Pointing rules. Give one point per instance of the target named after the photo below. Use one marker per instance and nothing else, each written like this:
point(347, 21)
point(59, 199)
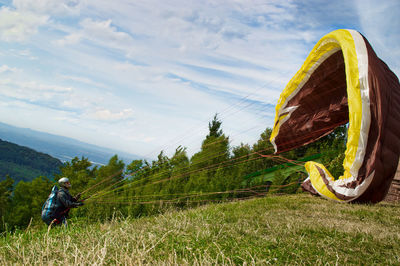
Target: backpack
point(50, 206)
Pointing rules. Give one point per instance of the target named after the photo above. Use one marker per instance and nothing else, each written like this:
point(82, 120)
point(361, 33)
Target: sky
point(145, 76)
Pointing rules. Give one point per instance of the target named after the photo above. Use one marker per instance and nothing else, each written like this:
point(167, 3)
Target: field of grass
point(291, 229)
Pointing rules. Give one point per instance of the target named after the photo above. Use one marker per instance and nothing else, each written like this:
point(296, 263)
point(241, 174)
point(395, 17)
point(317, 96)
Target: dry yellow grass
point(295, 229)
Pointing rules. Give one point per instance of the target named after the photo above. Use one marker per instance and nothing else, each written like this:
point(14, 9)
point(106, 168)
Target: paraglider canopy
point(343, 81)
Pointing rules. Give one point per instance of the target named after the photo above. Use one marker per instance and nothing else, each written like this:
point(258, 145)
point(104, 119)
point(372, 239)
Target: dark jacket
point(65, 202)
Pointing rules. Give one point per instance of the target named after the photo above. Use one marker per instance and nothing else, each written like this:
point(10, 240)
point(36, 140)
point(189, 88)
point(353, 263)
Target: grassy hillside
point(294, 229)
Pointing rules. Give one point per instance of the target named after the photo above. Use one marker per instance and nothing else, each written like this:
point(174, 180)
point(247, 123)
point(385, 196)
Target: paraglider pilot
point(66, 201)
point(63, 202)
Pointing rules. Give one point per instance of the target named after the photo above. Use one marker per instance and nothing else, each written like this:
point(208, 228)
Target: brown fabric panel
point(383, 149)
point(306, 186)
point(322, 105)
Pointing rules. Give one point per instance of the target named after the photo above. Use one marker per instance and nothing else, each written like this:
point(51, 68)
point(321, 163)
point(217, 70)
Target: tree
point(28, 200)
point(179, 176)
point(215, 127)
point(79, 172)
point(262, 146)
point(106, 186)
point(214, 153)
point(111, 173)
point(241, 155)
point(6, 188)
point(133, 169)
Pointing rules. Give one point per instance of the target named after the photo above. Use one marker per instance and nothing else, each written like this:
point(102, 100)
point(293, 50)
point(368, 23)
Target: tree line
point(215, 173)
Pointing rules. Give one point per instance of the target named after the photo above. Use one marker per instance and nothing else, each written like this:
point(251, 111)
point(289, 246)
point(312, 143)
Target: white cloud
point(32, 91)
point(71, 39)
point(49, 7)
point(108, 115)
point(160, 51)
point(84, 80)
point(18, 26)
point(20, 53)
point(5, 69)
point(101, 33)
point(174, 63)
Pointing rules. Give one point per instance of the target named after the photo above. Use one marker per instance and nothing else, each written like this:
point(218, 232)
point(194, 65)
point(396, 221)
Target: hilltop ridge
point(23, 163)
point(60, 147)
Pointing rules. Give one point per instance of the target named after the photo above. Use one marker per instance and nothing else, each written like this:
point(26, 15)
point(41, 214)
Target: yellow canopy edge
point(330, 43)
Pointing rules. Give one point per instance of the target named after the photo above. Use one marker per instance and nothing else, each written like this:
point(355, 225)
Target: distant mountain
point(22, 163)
point(60, 147)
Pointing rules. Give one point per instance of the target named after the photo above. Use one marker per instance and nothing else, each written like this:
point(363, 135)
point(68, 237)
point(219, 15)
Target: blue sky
point(146, 76)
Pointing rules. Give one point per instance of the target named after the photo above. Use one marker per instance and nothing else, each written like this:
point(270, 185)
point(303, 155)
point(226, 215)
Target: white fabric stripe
point(274, 145)
point(357, 191)
point(349, 192)
point(289, 110)
point(362, 58)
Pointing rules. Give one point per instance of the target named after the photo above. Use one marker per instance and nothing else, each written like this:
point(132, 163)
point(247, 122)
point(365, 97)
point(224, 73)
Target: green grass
point(293, 229)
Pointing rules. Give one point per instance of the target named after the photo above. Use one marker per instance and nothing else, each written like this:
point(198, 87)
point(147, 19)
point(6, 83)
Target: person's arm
point(77, 197)
point(63, 198)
